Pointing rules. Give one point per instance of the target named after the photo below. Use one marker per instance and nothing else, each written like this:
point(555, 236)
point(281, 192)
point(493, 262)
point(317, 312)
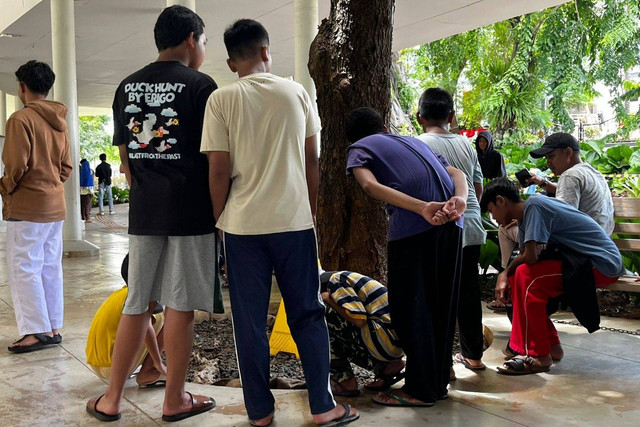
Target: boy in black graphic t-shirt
point(158, 113)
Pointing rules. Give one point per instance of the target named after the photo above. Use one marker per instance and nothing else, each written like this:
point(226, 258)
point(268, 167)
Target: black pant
point(470, 306)
point(424, 276)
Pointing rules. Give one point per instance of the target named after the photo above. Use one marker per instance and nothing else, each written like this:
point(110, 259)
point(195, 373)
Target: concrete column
point(17, 104)
point(3, 112)
point(191, 4)
point(305, 16)
point(3, 122)
point(64, 66)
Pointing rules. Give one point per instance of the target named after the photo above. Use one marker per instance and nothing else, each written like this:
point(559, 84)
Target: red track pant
point(532, 332)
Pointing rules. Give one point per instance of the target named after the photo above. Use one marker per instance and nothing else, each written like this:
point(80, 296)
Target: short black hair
point(435, 104)
point(499, 187)
point(244, 39)
point(103, 157)
point(37, 76)
point(362, 122)
point(174, 25)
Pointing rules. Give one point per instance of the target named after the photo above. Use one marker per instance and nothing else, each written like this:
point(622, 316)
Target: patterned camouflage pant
point(347, 347)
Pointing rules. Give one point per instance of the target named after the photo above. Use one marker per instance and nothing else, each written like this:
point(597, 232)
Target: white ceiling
point(115, 37)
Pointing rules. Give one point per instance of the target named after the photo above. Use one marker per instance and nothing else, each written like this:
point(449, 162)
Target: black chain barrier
point(602, 328)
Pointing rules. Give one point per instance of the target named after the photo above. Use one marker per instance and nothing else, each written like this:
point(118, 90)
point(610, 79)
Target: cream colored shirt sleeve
point(311, 118)
point(215, 133)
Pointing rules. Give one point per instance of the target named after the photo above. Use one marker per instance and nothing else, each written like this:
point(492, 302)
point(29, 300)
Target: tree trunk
point(350, 62)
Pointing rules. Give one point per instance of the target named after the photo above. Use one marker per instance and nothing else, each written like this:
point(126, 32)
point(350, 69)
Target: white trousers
point(34, 258)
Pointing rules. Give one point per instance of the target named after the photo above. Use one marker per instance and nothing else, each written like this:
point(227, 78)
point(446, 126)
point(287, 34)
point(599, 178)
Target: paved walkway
point(597, 384)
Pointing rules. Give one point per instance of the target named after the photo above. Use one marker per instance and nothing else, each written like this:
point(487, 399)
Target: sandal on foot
point(92, 409)
point(338, 390)
point(43, 341)
point(509, 353)
point(161, 381)
point(461, 359)
point(400, 401)
point(521, 366)
point(387, 381)
point(347, 418)
point(196, 408)
point(497, 306)
point(254, 423)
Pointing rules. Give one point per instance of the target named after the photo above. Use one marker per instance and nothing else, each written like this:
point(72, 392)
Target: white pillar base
point(79, 248)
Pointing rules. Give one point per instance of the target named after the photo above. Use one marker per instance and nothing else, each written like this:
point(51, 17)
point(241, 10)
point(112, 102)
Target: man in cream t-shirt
point(260, 137)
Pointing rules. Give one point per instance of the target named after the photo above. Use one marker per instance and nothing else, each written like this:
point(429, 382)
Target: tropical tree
point(95, 138)
point(528, 71)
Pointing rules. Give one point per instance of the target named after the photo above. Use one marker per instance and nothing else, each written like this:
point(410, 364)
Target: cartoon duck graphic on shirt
point(150, 134)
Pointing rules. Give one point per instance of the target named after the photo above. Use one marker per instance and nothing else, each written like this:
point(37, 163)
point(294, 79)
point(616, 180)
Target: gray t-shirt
point(461, 155)
point(585, 189)
point(550, 220)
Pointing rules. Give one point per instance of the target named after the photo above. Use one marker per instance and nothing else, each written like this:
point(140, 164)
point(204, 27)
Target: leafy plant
point(528, 71)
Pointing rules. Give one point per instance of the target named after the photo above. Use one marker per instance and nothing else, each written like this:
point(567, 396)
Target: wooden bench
point(625, 209)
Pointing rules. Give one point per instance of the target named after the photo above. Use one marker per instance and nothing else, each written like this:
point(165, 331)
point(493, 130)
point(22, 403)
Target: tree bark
point(350, 62)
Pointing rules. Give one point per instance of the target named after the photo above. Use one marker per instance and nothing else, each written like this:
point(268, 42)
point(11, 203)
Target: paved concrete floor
point(597, 384)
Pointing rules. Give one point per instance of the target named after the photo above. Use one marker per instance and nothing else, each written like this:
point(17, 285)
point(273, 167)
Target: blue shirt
point(408, 165)
point(551, 220)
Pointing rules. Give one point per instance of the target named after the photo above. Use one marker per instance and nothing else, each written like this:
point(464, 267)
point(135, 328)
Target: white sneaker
point(100, 213)
point(112, 212)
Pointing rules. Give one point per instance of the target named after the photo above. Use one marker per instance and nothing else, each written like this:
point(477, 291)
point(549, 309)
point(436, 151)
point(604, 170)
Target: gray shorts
point(177, 271)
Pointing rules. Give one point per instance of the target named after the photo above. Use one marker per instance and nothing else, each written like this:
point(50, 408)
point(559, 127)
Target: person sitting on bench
point(589, 257)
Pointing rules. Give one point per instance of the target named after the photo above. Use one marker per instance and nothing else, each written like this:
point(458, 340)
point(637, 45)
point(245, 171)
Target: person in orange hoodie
point(37, 163)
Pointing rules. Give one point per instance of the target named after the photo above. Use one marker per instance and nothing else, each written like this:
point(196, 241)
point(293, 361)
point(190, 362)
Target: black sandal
point(521, 366)
point(387, 381)
point(43, 341)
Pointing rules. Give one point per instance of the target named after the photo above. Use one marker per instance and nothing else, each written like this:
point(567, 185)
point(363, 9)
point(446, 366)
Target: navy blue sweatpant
point(250, 261)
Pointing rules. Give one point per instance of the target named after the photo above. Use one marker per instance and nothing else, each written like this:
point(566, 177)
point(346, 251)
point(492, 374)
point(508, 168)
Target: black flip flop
point(461, 359)
point(498, 308)
point(99, 414)
point(253, 423)
point(43, 341)
point(521, 366)
point(388, 381)
point(347, 418)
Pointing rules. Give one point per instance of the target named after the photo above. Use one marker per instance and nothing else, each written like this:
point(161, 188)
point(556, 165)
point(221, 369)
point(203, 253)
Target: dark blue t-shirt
point(551, 220)
point(408, 165)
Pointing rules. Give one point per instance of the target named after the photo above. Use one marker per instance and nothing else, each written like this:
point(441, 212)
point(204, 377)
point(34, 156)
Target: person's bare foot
point(348, 385)
point(336, 413)
point(106, 405)
point(471, 363)
point(150, 375)
point(557, 353)
point(29, 340)
point(263, 421)
point(542, 361)
point(385, 398)
point(188, 403)
point(391, 369)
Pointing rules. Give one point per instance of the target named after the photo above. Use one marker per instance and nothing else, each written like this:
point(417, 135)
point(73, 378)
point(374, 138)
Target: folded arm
point(373, 188)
